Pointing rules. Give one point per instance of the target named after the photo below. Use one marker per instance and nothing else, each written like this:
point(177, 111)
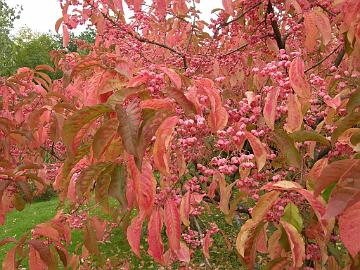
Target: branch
point(322, 60)
point(142, 39)
point(277, 35)
point(52, 153)
point(235, 50)
point(326, 10)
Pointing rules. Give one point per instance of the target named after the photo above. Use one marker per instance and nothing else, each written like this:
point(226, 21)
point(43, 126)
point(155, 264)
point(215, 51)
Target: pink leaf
point(185, 209)
point(207, 244)
point(296, 242)
point(297, 78)
point(258, 149)
point(270, 107)
point(133, 234)
point(227, 4)
point(66, 36)
point(295, 117)
point(156, 247)
point(172, 222)
point(174, 77)
point(323, 25)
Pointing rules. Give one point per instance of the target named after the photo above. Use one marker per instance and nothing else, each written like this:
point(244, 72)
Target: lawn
point(18, 223)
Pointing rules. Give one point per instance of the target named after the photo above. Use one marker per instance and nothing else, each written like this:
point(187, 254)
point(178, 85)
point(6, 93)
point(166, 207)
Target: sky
point(41, 15)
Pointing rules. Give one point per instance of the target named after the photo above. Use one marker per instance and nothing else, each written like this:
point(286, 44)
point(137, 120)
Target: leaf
point(304, 136)
point(35, 261)
point(207, 243)
point(91, 174)
point(233, 207)
point(264, 204)
point(156, 247)
point(295, 117)
point(172, 222)
point(311, 30)
point(157, 104)
point(286, 145)
point(227, 4)
point(293, 217)
point(66, 36)
point(334, 172)
point(185, 208)
point(174, 77)
point(345, 123)
point(354, 101)
point(350, 230)
point(296, 242)
point(323, 25)
point(104, 136)
point(181, 99)
point(355, 138)
point(258, 149)
point(9, 260)
point(246, 241)
point(269, 111)
point(46, 255)
point(46, 230)
point(316, 170)
point(162, 143)
point(117, 184)
point(277, 264)
point(297, 79)
point(133, 234)
point(225, 192)
point(79, 119)
point(129, 123)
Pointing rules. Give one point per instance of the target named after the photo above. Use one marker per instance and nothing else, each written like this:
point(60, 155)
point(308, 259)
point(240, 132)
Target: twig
point(339, 58)
point(277, 35)
point(142, 39)
point(235, 50)
point(192, 27)
point(322, 60)
point(52, 153)
point(326, 10)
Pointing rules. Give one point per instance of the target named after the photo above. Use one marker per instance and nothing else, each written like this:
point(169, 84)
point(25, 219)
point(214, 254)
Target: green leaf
point(355, 138)
point(303, 136)
point(287, 147)
point(118, 184)
point(79, 119)
point(345, 123)
point(292, 216)
point(354, 101)
point(104, 136)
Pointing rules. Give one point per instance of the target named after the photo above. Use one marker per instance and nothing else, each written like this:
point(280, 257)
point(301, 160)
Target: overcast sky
point(41, 15)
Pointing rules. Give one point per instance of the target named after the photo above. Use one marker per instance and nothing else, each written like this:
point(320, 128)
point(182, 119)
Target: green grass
point(117, 248)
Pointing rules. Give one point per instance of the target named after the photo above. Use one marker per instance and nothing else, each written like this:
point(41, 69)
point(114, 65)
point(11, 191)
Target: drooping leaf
point(349, 229)
point(79, 119)
point(295, 118)
point(172, 222)
point(345, 123)
point(286, 145)
point(104, 136)
point(323, 25)
point(129, 123)
point(277, 264)
point(228, 6)
point(118, 183)
point(181, 99)
point(9, 260)
point(355, 138)
point(296, 242)
point(246, 241)
point(162, 143)
point(311, 31)
point(156, 247)
point(185, 208)
point(305, 135)
point(45, 252)
point(334, 172)
point(269, 111)
point(133, 234)
point(225, 192)
point(258, 149)
point(207, 244)
point(264, 204)
point(174, 77)
point(297, 78)
point(354, 101)
point(293, 217)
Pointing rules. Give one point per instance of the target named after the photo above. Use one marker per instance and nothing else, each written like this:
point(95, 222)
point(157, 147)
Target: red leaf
point(311, 30)
point(133, 233)
point(264, 204)
point(295, 117)
point(163, 139)
point(350, 229)
point(66, 36)
point(47, 230)
point(296, 242)
point(270, 107)
point(183, 254)
point(258, 149)
point(225, 192)
point(297, 78)
point(35, 261)
point(174, 77)
point(207, 244)
point(227, 4)
point(9, 260)
point(156, 247)
point(139, 80)
point(185, 208)
point(172, 222)
point(156, 104)
point(323, 25)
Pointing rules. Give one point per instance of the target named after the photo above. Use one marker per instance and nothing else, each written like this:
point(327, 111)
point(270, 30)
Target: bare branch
point(322, 60)
point(277, 35)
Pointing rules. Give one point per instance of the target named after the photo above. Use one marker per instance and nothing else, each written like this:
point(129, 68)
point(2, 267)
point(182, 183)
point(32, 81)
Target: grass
point(117, 248)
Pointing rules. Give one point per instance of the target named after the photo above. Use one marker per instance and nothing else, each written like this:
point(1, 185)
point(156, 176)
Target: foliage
point(256, 114)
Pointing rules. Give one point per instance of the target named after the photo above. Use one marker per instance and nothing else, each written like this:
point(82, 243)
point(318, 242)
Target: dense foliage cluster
point(167, 118)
